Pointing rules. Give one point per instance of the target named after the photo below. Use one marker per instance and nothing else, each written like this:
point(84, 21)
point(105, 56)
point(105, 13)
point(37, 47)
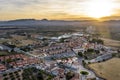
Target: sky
point(59, 9)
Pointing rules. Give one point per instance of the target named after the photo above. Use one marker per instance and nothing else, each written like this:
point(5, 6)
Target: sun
point(99, 8)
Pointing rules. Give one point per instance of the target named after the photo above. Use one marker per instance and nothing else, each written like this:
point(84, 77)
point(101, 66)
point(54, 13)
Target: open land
point(111, 42)
point(109, 70)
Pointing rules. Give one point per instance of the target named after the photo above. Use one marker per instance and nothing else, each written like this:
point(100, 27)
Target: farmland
point(109, 70)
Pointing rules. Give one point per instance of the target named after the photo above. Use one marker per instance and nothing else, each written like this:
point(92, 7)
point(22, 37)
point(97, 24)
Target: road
point(81, 68)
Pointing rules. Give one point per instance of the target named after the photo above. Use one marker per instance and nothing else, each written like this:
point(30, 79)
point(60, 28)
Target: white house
point(3, 47)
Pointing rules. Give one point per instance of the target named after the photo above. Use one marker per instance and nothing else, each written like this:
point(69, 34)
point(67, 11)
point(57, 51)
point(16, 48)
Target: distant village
point(66, 57)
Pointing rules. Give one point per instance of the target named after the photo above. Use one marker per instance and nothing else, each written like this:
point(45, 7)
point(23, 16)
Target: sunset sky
point(59, 9)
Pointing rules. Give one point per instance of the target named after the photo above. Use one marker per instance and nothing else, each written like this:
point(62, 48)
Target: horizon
point(98, 20)
point(60, 10)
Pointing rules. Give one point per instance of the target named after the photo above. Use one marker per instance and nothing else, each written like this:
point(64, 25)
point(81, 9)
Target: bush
point(90, 50)
point(5, 79)
point(83, 62)
point(4, 74)
point(84, 73)
point(97, 51)
point(99, 41)
point(69, 75)
point(80, 54)
point(62, 40)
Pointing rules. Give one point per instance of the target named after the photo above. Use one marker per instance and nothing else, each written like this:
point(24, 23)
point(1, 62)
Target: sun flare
point(99, 8)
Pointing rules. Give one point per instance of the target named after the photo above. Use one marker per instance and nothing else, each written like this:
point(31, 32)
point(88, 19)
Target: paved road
point(81, 68)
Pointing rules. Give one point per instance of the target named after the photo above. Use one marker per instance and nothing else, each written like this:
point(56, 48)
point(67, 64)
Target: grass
point(25, 42)
point(109, 70)
point(3, 53)
point(4, 40)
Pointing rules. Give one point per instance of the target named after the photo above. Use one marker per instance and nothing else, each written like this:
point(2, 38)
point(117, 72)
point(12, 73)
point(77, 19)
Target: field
point(109, 70)
point(3, 53)
point(18, 40)
point(110, 42)
point(24, 42)
point(3, 40)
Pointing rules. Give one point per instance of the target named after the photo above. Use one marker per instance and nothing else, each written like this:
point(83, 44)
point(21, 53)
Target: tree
point(83, 62)
point(69, 75)
point(5, 79)
point(97, 51)
point(90, 50)
point(99, 41)
point(40, 76)
point(4, 74)
point(62, 40)
point(80, 54)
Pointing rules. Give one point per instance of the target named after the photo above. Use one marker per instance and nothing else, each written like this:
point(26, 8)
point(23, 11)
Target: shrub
point(84, 72)
point(80, 54)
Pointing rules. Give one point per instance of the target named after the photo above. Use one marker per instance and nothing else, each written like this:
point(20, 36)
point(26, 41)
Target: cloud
point(44, 7)
point(24, 3)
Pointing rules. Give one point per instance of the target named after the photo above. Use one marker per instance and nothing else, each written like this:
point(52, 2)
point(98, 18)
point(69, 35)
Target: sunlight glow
point(99, 8)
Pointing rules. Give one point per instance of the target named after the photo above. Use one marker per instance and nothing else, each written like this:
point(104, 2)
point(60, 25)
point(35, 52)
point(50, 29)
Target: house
point(2, 67)
point(76, 50)
point(5, 48)
point(2, 58)
point(18, 60)
point(1, 77)
point(103, 57)
point(59, 73)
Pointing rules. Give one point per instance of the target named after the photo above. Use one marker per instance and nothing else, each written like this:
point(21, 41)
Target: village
point(64, 57)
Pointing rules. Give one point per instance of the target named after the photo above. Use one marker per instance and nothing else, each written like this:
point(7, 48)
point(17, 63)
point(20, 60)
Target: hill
point(108, 29)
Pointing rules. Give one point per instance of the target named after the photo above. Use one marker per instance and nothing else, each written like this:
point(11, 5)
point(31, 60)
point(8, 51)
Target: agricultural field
point(24, 42)
point(18, 41)
point(109, 70)
point(110, 42)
